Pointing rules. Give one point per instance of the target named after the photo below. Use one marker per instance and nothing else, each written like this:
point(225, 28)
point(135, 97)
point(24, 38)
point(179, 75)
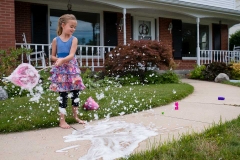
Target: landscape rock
point(3, 93)
point(221, 77)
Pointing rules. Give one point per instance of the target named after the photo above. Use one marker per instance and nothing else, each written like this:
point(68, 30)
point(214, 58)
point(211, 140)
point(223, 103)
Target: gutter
point(195, 6)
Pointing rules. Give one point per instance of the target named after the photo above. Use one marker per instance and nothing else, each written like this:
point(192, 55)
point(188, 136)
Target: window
point(88, 28)
point(189, 39)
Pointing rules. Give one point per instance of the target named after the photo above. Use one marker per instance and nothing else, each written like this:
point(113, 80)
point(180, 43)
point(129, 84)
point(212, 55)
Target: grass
point(19, 114)
point(220, 142)
point(231, 83)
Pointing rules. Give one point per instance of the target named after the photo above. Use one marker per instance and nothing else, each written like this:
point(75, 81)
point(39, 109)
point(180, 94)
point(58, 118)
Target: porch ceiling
point(175, 7)
point(188, 18)
point(158, 8)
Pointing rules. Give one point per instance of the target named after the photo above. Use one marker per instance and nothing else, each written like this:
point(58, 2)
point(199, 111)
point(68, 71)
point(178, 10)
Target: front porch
point(93, 57)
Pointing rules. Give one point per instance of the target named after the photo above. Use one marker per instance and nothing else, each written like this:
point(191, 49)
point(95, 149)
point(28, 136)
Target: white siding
point(229, 4)
point(238, 4)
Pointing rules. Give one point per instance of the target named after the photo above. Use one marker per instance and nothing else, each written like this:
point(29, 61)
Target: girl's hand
point(59, 62)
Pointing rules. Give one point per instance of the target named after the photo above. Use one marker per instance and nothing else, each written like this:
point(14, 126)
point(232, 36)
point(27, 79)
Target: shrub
point(197, 72)
point(98, 79)
point(129, 79)
point(10, 59)
point(137, 57)
point(152, 77)
point(234, 39)
point(169, 77)
point(235, 72)
point(213, 69)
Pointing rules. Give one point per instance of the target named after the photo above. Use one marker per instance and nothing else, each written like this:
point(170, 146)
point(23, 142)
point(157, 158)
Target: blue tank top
point(63, 48)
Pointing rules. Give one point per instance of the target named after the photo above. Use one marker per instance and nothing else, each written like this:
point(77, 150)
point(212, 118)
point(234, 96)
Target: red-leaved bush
point(138, 57)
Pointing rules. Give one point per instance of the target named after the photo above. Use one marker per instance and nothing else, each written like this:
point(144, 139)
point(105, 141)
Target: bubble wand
point(25, 76)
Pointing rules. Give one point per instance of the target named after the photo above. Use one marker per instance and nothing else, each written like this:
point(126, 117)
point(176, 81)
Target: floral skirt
point(66, 77)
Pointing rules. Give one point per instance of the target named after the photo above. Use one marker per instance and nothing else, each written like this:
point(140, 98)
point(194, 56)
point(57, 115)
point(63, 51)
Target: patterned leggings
point(64, 98)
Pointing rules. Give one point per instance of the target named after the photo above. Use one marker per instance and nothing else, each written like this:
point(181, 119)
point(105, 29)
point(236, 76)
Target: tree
point(234, 39)
point(137, 57)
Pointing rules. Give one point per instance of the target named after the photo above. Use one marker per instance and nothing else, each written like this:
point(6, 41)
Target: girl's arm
point(73, 49)
point(54, 50)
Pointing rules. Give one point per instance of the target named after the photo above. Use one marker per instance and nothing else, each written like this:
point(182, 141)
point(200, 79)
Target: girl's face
point(69, 27)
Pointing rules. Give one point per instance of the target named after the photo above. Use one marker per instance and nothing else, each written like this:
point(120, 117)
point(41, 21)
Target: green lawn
point(220, 142)
point(19, 114)
point(231, 83)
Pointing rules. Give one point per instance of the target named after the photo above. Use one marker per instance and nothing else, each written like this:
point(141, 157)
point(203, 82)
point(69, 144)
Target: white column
point(124, 27)
point(228, 37)
point(198, 48)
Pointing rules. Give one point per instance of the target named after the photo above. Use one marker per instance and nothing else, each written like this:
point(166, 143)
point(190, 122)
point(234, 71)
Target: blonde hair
point(63, 19)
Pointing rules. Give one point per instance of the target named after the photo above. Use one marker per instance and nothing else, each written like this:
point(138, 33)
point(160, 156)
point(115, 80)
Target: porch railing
point(94, 56)
point(88, 56)
point(209, 56)
point(36, 48)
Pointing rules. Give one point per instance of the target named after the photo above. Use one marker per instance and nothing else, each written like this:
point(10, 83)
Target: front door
point(144, 28)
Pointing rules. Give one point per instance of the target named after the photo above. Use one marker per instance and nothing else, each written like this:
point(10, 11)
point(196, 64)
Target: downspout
point(124, 27)
point(198, 48)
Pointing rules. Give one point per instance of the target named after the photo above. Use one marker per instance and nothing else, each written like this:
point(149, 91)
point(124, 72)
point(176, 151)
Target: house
point(195, 30)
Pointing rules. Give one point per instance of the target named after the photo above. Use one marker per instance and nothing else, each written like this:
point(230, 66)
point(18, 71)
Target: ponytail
point(59, 28)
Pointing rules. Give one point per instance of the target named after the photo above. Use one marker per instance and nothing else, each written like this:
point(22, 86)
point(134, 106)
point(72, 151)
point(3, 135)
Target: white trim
point(189, 58)
point(192, 58)
point(124, 27)
point(176, 6)
point(228, 38)
point(135, 26)
point(198, 47)
point(230, 4)
point(157, 34)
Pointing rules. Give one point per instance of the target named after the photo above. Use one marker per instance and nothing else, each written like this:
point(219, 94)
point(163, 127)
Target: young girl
point(66, 73)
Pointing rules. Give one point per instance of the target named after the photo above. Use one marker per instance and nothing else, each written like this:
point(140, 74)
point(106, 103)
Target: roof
point(186, 3)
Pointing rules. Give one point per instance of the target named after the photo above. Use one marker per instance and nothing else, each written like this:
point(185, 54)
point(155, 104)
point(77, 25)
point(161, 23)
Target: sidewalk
point(196, 111)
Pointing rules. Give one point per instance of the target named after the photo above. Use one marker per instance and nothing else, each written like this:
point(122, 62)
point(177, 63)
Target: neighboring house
point(190, 27)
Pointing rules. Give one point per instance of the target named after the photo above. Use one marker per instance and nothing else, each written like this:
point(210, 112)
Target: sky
point(234, 28)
